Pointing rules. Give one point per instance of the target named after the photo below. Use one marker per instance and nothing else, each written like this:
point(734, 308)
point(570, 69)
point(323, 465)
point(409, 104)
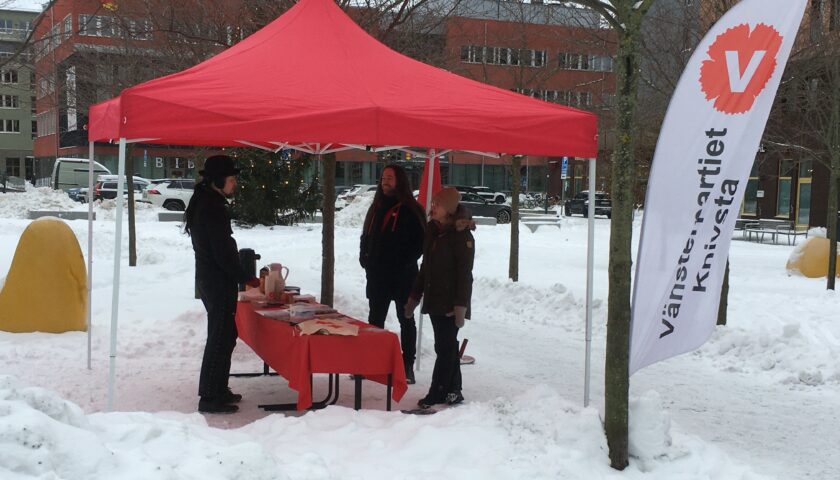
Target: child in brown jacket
point(445, 281)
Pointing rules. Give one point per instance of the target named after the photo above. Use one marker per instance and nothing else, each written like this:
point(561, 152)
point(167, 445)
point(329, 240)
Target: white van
point(73, 172)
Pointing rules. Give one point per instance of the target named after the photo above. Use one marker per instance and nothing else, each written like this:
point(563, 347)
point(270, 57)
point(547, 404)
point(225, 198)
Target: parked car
point(485, 208)
point(580, 204)
point(106, 186)
point(78, 194)
point(356, 191)
point(171, 194)
point(483, 192)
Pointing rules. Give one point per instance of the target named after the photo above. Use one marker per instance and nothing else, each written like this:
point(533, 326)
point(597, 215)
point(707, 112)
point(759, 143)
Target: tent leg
point(429, 184)
point(590, 262)
point(115, 288)
point(90, 253)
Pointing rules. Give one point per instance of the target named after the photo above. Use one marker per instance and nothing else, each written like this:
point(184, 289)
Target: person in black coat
point(390, 244)
point(217, 273)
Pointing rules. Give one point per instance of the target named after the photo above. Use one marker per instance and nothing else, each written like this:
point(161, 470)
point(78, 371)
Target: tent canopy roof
point(313, 78)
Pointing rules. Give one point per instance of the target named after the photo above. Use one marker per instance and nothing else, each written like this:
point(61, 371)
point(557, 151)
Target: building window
point(502, 56)
point(786, 170)
point(99, 26)
point(750, 206)
point(13, 167)
point(7, 26)
point(534, 58)
point(9, 101)
point(577, 61)
point(803, 193)
point(140, 29)
point(9, 76)
point(10, 126)
point(45, 123)
point(68, 27)
point(34, 129)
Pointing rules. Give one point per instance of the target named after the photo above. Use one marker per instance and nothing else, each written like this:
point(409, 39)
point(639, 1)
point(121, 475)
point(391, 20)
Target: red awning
point(313, 76)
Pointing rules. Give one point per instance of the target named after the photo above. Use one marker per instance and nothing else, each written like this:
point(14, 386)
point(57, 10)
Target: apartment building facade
point(86, 51)
point(16, 105)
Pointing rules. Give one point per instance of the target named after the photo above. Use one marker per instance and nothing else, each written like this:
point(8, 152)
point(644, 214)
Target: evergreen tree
point(273, 188)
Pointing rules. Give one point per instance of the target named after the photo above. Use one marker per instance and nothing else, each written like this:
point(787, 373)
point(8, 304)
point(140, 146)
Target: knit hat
point(447, 199)
point(219, 166)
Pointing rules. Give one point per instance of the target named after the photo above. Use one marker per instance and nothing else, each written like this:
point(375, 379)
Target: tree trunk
point(724, 297)
point(617, 381)
point(129, 182)
point(513, 265)
point(833, 172)
point(831, 221)
point(328, 229)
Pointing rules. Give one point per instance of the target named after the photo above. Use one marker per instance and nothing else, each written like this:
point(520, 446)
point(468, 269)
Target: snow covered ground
point(759, 400)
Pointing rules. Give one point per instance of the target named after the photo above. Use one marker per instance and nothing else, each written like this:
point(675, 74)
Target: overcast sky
point(32, 5)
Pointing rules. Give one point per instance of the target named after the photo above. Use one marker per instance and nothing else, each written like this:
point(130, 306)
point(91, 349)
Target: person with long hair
point(390, 244)
point(445, 285)
point(218, 273)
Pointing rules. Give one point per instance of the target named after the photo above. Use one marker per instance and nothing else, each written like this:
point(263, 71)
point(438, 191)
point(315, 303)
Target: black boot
point(409, 373)
point(213, 405)
point(229, 397)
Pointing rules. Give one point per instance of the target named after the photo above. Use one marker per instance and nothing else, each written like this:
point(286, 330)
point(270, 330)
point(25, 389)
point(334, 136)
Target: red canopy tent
point(314, 81)
point(313, 76)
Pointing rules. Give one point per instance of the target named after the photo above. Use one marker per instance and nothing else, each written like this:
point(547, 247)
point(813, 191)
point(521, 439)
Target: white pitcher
point(275, 282)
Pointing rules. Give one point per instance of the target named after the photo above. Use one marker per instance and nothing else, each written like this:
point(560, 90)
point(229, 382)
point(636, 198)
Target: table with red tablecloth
point(374, 353)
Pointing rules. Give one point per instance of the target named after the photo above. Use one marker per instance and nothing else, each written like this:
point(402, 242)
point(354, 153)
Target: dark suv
point(481, 207)
point(580, 204)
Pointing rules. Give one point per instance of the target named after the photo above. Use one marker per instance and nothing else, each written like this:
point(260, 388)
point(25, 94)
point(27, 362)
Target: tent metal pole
point(90, 253)
point(590, 262)
point(430, 177)
point(115, 288)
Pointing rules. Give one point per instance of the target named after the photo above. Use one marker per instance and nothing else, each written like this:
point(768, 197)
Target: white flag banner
point(703, 158)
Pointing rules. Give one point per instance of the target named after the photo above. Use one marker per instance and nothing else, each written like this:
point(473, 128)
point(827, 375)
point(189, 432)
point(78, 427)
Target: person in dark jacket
point(445, 284)
point(391, 243)
point(217, 273)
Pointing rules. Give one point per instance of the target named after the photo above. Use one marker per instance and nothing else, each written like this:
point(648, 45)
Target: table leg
point(357, 401)
point(330, 399)
point(388, 396)
point(265, 372)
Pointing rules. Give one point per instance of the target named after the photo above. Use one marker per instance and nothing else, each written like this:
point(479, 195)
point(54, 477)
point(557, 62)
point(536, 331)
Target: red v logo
point(740, 63)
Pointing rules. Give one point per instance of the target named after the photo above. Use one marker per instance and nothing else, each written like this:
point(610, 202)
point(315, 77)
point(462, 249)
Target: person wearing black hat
point(217, 273)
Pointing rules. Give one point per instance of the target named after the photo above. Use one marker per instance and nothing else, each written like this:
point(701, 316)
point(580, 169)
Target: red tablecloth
point(374, 353)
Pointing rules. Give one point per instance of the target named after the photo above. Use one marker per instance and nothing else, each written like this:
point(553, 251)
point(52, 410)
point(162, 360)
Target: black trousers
point(379, 301)
point(220, 302)
point(446, 377)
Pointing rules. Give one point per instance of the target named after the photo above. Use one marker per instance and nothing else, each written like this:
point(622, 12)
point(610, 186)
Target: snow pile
point(649, 425)
point(143, 212)
point(536, 435)
point(798, 352)
point(18, 205)
point(353, 215)
point(45, 436)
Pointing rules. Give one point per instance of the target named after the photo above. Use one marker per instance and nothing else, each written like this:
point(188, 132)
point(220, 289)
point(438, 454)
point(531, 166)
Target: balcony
point(15, 34)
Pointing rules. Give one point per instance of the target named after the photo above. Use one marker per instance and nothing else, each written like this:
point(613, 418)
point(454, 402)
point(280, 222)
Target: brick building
point(86, 48)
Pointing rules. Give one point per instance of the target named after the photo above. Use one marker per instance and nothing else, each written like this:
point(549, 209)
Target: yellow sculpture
point(46, 289)
point(810, 258)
